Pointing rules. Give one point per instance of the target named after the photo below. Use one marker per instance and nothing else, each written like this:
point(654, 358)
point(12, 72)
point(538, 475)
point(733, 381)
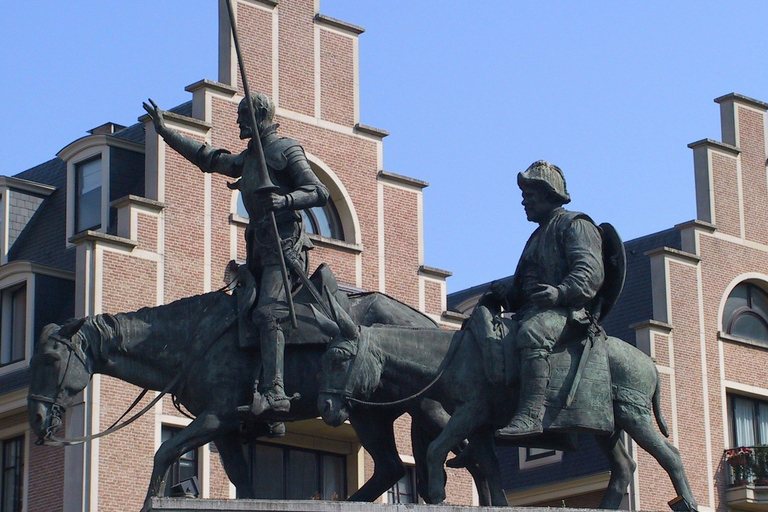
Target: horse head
point(336, 364)
point(59, 370)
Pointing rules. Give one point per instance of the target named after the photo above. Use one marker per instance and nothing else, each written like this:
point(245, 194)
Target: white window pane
point(19, 325)
point(744, 418)
point(763, 423)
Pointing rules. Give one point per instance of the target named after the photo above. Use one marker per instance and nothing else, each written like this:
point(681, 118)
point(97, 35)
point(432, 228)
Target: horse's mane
point(369, 376)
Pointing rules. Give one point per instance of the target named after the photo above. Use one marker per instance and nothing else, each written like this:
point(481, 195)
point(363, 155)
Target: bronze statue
point(289, 187)
point(560, 272)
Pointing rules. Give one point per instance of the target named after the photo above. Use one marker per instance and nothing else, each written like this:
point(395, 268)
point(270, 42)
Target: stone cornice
point(402, 180)
point(27, 267)
point(434, 272)
point(454, 316)
point(150, 204)
point(370, 130)
point(674, 253)
point(324, 241)
point(97, 237)
point(740, 98)
point(322, 19)
point(98, 140)
point(213, 86)
point(697, 224)
point(654, 325)
point(31, 187)
point(713, 144)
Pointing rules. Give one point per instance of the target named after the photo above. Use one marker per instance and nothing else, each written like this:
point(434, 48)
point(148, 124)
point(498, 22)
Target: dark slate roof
point(456, 298)
point(636, 303)
point(133, 133)
point(185, 109)
point(43, 241)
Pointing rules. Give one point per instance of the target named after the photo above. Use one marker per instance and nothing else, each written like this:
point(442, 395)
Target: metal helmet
point(263, 106)
point(548, 175)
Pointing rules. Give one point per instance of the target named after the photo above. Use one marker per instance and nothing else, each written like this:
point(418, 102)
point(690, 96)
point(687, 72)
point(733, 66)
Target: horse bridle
point(58, 408)
point(352, 372)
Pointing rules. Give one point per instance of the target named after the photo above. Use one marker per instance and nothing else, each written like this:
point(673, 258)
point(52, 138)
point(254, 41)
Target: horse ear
point(70, 328)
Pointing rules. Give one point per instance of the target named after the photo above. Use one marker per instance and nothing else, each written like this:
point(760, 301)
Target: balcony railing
point(747, 465)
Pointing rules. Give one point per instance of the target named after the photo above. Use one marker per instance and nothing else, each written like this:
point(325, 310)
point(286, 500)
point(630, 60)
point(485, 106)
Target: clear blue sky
point(472, 93)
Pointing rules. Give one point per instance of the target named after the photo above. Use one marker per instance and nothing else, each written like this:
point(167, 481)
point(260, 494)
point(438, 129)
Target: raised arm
point(202, 155)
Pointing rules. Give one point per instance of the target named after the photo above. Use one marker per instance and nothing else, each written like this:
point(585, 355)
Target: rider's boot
point(272, 344)
point(534, 377)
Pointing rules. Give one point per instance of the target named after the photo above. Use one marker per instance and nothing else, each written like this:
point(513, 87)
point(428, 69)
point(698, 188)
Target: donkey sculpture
point(384, 364)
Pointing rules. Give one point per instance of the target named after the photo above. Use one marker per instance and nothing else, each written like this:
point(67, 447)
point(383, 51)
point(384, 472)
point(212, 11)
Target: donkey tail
point(657, 406)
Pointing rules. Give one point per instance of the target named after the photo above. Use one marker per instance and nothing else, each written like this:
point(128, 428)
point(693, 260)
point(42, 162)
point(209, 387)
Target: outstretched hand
point(156, 114)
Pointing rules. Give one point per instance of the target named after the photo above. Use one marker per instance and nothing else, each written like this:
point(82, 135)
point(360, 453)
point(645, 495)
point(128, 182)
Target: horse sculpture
point(391, 363)
point(197, 338)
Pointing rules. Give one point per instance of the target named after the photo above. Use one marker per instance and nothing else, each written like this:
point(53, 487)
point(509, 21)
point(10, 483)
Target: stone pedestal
point(199, 505)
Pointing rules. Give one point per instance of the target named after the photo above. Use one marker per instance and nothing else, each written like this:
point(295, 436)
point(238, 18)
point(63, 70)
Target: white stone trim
point(318, 72)
point(350, 221)
point(559, 490)
point(381, 241)
point(704, 384)
point(356, 80)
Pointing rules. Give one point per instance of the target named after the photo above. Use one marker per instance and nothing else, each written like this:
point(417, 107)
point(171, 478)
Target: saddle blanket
point(592, 407)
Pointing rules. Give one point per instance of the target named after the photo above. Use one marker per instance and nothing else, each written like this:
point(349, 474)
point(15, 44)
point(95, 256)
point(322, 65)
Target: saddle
point(314, 327)
point(591, 407)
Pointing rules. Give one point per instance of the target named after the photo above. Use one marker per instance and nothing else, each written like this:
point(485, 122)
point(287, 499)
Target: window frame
point(12, 281)
point(198, 459)
point(285, 452)
point(20, 431)
point(743, 311)
point(392, 496)
point(77, 196)
point(756, 402)
point(545, 457)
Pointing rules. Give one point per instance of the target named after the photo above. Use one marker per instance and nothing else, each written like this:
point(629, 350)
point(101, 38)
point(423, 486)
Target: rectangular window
point(284, 472)
point(404, 491)
point(13, 324)
point(12, 485)
point(88, 194)
point(536, 457)
point(185, 466)
point(750, 421)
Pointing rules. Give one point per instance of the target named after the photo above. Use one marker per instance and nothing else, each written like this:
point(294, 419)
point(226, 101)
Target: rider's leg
point(270, 310)
point(535, 338)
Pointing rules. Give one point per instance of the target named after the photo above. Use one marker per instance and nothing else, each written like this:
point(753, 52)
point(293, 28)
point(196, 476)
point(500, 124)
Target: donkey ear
point(70, 328)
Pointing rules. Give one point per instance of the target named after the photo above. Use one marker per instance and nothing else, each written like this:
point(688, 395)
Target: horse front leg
point(465, 419)
point(376, 433)
point(203, 429)
point(235, 464)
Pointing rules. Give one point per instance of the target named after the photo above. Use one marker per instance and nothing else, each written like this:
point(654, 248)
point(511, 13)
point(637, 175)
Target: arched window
point(746, 312)
point(320, 220)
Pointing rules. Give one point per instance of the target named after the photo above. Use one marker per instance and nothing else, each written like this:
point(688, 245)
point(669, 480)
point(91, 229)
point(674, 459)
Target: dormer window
point(13, 324)
point(88, 194)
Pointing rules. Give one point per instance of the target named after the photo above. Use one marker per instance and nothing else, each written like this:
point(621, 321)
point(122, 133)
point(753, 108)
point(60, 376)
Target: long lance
point(267, 185)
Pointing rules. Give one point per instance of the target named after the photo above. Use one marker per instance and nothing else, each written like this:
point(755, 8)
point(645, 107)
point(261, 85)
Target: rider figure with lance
point(559, 274)
point(273, 201)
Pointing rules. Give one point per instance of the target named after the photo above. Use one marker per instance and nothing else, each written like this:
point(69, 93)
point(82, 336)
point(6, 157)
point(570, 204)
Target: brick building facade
point(695, 300)
point(118, 221)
